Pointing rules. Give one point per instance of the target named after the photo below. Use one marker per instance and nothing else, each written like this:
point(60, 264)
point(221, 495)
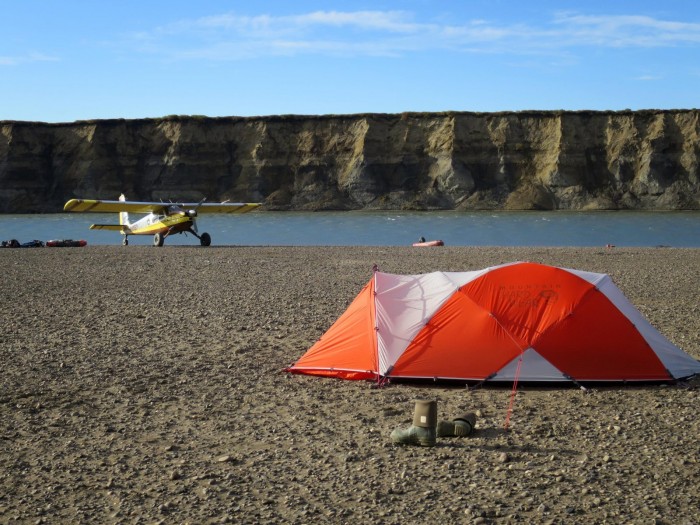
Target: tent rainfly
point(524, 321)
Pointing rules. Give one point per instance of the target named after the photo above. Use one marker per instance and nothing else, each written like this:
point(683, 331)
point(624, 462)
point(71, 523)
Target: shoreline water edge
point(364, 228)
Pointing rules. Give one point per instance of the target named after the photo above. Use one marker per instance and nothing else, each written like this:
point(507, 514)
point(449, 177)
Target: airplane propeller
point(193, 213)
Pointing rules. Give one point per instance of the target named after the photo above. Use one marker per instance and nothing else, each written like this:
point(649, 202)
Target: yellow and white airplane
point(163, 219)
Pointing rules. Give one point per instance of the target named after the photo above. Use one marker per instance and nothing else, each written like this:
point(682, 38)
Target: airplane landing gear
point(204, 239)
point(158, 239)
point(125, 241)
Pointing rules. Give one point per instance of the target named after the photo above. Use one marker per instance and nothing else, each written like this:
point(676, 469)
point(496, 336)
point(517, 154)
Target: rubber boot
point(422, 431)
point(458, 427)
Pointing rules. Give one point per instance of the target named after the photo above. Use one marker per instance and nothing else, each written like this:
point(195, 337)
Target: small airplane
point(163, 219)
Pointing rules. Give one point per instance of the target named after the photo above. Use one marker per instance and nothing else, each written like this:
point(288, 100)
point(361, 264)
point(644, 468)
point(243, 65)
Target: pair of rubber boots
point(426, 428)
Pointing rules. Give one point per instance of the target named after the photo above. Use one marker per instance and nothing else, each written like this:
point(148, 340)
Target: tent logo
point(549, 295)
point(529, 296)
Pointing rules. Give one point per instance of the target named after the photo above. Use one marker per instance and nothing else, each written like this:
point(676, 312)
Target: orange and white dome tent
point(518, 321)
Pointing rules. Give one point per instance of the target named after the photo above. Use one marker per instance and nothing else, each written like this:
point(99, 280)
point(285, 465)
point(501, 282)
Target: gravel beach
point(146, 385)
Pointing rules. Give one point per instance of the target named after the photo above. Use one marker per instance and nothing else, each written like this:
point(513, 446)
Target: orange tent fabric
point(558, 324)
point(342, 343)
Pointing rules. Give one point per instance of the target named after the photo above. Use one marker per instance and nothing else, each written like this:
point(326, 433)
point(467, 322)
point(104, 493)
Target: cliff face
point(524, 160)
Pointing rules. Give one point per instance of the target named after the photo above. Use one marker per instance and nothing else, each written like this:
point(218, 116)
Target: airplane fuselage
point(152, 224)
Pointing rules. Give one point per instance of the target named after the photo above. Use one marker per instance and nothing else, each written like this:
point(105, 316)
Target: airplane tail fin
point(123, 216)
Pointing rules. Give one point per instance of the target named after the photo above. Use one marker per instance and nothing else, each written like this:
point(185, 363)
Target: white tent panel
point(533, 368)
point(594, 278)
point(405, 303)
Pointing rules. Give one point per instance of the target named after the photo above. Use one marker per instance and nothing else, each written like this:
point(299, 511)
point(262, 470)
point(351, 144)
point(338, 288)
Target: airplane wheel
point(205, 239)
point(158, 239)
point(125, 242)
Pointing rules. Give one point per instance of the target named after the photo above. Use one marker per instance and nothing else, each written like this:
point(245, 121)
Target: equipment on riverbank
point(62, 243)
point(518, 321)
point(14, 243)
point(436, 242)
point(425, 427)
point(423, 430)
point(66, 243)
point(460, 426)
point(163, 219)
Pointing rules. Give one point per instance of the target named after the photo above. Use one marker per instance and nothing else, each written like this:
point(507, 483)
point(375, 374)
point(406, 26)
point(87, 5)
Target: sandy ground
point(144, 385)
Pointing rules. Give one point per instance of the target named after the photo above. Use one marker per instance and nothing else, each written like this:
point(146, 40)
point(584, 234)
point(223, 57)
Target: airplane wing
point(221, 207)
point(84, 205)
point(115, 227)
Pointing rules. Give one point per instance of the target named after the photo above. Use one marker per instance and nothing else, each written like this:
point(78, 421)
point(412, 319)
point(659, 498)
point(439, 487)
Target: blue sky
point(69, 60)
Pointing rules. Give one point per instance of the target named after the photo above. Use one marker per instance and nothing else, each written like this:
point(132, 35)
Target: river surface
point(363, 228)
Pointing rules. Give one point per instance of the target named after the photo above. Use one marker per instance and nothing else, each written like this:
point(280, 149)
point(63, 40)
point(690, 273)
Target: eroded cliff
point(525, 160)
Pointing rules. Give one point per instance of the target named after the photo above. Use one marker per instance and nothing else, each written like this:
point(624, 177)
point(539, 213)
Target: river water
point(363, 228)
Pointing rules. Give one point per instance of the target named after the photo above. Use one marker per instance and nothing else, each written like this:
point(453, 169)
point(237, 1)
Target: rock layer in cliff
point(518, 161)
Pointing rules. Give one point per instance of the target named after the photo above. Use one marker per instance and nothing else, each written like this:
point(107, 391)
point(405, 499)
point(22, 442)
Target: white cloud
point(28, 58)
point(392, 21)
point(628, 31)
point(232, 37)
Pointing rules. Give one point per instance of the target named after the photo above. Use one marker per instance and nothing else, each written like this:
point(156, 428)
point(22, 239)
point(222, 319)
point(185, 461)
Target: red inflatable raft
point(429, 243)
point(65, 243)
